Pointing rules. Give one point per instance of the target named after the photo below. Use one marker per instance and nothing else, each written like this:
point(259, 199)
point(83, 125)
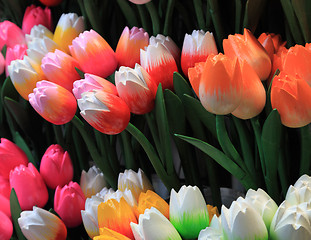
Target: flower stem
point(305, 136)
point(198, 7)
point(154, 17)
point(168, 17)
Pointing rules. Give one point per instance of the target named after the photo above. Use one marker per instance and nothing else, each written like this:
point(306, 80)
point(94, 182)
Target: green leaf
point(238, 16)
point(305, 152)
point(181, 86)
point(253, 12)
point(16, 212)
point(8, 90)
point(302, 10)
point(128, 13)
point(81, 73)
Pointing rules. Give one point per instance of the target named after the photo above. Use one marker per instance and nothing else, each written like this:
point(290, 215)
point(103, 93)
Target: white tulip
point(213, 231)
point(153, 225)
point(38, 47)
point(38, 31)
point(126, 194)
point(295, 196)
point(304, 180)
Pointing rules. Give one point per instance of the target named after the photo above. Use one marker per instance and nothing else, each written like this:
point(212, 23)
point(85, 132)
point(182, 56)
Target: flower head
point(10, 34)
point(16, 52)
point(34, 16)
point(6, 227)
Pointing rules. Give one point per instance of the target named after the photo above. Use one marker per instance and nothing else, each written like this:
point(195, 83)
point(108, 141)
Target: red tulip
point(247, 47)
point(34, 16)
point(136, 89)
point(50, 3)
point(6, 227)
point(94, 54)
point(291, 96)
point(11, 156)
point(68, 203)
point(5, 188)
point(10, 34)
point(17, 52)
point(105, 112)
point(5, 206)
point(129, 45)
point(29, 186)
point(56, 167)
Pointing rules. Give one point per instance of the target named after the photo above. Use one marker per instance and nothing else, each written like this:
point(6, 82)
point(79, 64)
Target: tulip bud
point(140, 1)
point(17, 52)
point(213, 231)
point(68, 203)
point(29, 186)
point(69, 26)
point(94, 54)
point(50, 2)
point(196, 48)
point(5, 206)
point(6, 227)
point(136, 182)
point(56, 167)
point(91, 82)
point(2, 64)
point(108, 234)
point(153, 225)
point(129, 45)
point(11, 34)
point(11, 156)
point(5, 188)
point(39, 31)
point(53, 102)
point(42, 224)
point(304, 180)
point(105, 112)
point(117, 195)
point(92, 181)
point(34, 16)
point(188, 211)
point(296, 196)
point(136, 88)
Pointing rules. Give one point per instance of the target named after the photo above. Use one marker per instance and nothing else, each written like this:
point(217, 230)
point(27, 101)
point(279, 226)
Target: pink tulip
point(160, 64)
point(105, 112)
point(6, 227)
point(59, 68)
point(68, 203)
point(29, 186)
point(34, 16)
point(91, 82)
point(56, 167)
point(94, 54)
point(5, 206)
point(129, 45)
point(10, 34)
point(16, 52)
point(136, 89)
point(11, 156)
point(5, 188)
point(2, 63)
point(53, 102)
point(139, 1)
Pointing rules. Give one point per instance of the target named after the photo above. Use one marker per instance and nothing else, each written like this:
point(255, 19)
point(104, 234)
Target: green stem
point(198, 7)
point(168, 17)
point(91, 145)
point(170, 181)
point(154, 17)
point(130, 162)
point(143, 18)
point(128, 12)
point(58, 135)
point(305, 136)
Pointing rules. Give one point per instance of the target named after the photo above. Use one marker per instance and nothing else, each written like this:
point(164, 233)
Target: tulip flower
point(11, 156)
point(17, 52)
point(59, 68)
point(39, 223)
point(116, 216)
point(297, 62)
point(291, 222)
point(53, 102)
point(129, 45)
point(153, 225)
point(253, 98)
point(304, 180)
point(92, 181)
point(5, 206)
point(105, 112)
point(34, 16)
point(56, 167)
point(117, 195)
point(212, 211)
point(136, 88)
point(296, 196)
point(140, 1)
point(213, 231)
point(151, 199)
point(169, 44)
point(108, 234)
point(267, 42)
point(291, 96)
point(68, 203)
point(91, 82)
point(247, 47)
point(29, 186)
point(10, 34)
point(2, 63)
point(69, 26)
point(196, 48)
point(5, 188)
point(136, 182)
point(262, 203)
point(160, 65)
point(218, 83)
point(23, 76)
point(6, 227)
point(94, 54)
point(188, 211)
point(39, 31)
point(50, 2)
point(242, 221)
point(89, 215)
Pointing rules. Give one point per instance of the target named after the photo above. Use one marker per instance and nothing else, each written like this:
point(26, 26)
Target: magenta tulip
point(6, 227)
point(10, 34)
point(16, 52)
point(34, 16)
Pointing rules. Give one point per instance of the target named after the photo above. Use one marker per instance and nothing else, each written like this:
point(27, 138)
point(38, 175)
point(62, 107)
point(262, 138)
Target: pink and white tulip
point(16, 52)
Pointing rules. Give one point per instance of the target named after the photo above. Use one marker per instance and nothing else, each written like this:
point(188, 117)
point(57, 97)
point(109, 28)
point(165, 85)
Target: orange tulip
point(116, 216)
point(220, 84)
point(151, 199)
point(108, 234)
point(271, 42)
point(253, 94)
point(194, 75)
point(298, 61)
point(291, 96)
point(247, 47)
point(212, 211)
